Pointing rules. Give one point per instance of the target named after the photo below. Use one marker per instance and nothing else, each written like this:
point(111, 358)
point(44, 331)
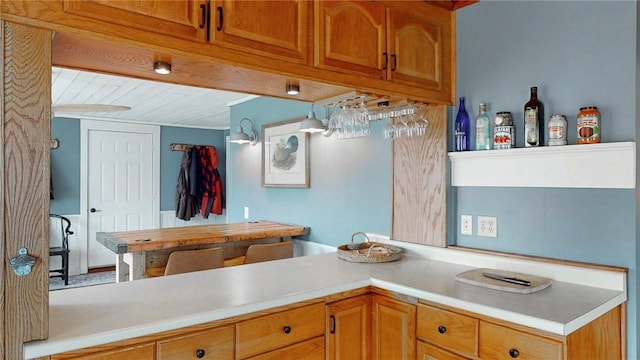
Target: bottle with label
point(533, 120)
point(588, 122)
point(504, 133)
point(557, 130)
point(462, 130)
point(484, 137)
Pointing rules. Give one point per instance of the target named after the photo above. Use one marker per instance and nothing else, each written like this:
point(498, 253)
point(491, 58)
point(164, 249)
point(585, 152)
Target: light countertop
point(85, 317)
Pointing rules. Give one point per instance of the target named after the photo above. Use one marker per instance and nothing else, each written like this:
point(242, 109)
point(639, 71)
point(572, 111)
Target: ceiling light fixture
point(162, 67)
point(240, 137)
point(293, 89)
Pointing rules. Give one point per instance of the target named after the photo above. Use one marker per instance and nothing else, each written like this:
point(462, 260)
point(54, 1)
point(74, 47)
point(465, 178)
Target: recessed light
point(162, 67)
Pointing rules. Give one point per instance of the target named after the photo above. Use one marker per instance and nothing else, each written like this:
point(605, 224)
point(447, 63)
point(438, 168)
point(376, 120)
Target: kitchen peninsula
point(131, 247)
point(582, 312)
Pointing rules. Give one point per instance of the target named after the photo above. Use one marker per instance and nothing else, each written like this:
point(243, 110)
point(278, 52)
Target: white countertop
point(85, 317)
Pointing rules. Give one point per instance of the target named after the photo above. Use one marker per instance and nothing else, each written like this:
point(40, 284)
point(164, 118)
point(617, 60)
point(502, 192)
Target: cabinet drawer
point(449, 330)
point(266, 333)
point(308, 350)
point(498, 342)
point(211, 344)
point(146, 351)
point(430, 352)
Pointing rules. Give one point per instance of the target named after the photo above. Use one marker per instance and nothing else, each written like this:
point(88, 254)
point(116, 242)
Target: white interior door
point(121, 185)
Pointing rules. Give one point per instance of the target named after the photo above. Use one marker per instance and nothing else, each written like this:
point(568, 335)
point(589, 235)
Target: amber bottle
point(533, 120)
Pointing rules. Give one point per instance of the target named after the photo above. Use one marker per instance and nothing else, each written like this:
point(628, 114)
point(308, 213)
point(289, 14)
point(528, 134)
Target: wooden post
point(24, 217)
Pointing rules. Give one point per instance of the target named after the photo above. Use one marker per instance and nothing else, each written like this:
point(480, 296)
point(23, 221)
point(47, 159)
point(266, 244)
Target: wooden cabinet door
point(214, 344)
point(274, 28)
point(350, 36)
point(394, 329)
point(420, 46)
point(430, 352)
point(177, 18)
point(349, 328)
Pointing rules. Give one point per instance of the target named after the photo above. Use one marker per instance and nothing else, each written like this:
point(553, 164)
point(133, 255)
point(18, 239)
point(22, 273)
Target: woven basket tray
point(368, 252)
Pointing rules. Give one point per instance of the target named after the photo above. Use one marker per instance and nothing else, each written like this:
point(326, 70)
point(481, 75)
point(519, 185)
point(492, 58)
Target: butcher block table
point(132, 246)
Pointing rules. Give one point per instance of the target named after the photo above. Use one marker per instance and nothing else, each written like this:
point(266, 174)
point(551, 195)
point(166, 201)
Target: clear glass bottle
point(483, 129)
point(533, 120)
point(462, 130)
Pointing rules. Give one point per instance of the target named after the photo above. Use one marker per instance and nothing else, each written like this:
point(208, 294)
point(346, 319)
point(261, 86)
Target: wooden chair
point(194, 260)
point(62, 250)
point(267, 252)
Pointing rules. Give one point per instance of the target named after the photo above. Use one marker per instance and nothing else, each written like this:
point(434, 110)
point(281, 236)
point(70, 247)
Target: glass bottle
point(483, 129)
point(462, 129)
point(533, 120)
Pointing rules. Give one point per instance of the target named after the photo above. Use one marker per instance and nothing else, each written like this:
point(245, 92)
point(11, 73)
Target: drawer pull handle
point(333, 324)
point(442, 329)
point(514, 353)
point(200, 353)
point(286, 329)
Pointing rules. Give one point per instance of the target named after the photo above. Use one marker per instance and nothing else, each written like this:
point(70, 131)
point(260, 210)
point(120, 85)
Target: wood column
point(420, 183)
point(24, 190)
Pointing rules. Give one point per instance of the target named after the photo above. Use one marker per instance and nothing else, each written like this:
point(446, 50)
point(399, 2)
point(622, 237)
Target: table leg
point(137, 265)
point(122, 269)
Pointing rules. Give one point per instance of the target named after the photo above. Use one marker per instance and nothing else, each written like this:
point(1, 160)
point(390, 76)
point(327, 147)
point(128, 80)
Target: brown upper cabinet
point(273, 28)
point(409, 43)
point(401, 49)
point(180, 18)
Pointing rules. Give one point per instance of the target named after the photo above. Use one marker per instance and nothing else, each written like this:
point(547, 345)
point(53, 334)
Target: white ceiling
point(151, 102)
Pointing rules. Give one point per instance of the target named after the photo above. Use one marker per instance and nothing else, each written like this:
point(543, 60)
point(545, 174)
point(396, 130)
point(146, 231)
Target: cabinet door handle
point(386, 60)
point(332, 319)
point(514, 353)
point(200, 353)
point(220, 18)
point(286, 329)
point(395, 62)
point(203, 9)
point(442, 329)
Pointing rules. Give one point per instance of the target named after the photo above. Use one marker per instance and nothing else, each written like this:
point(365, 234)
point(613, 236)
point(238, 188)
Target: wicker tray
point(368, 252)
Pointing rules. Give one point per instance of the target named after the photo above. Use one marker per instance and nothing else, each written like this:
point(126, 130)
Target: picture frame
point(285, 155)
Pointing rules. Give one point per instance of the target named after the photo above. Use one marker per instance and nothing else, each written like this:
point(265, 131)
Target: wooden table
point(132, 246)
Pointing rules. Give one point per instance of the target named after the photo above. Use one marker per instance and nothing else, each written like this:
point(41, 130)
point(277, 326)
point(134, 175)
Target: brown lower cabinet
point(377, 325)
point(448, 334)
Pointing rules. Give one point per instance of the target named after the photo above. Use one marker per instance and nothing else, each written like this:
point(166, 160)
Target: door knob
point(93, 210)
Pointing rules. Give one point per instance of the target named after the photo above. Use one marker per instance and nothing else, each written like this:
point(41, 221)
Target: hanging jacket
point(210, 182)
point(185, 202)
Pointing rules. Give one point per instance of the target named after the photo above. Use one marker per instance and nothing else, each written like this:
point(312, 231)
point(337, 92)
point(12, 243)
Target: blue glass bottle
point(462, 129)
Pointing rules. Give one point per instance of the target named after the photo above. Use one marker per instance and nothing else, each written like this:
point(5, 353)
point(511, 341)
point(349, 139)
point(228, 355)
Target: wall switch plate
point(487, 226)
point(466, 224)
point(246, 213)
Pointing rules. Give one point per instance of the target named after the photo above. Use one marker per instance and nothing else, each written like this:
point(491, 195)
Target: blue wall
point(65, 166)
point(65, 162)
point(350, 179)
point(578, 54)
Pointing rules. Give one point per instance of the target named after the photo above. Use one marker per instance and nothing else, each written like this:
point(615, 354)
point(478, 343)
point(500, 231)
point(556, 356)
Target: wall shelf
point(605, 165)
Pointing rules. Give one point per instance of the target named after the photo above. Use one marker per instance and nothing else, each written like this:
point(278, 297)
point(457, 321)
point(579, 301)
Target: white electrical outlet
point(466, 224)
point(487, 226)
point(246, 213)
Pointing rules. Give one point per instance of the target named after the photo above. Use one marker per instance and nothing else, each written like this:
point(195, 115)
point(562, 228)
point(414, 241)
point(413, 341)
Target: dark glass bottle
point(534, 120)
point(462, 129)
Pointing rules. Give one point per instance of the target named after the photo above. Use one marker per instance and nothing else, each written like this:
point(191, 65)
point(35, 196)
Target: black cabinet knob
point(514, 353)
point(200, 353)
point(286, 329)
point(442, 329)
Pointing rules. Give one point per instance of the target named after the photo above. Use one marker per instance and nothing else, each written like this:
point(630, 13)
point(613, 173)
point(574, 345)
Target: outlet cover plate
point(487, 226)
point(466, 224)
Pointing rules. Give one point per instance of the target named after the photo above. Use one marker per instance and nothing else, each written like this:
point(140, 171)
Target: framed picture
point(285, 155)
